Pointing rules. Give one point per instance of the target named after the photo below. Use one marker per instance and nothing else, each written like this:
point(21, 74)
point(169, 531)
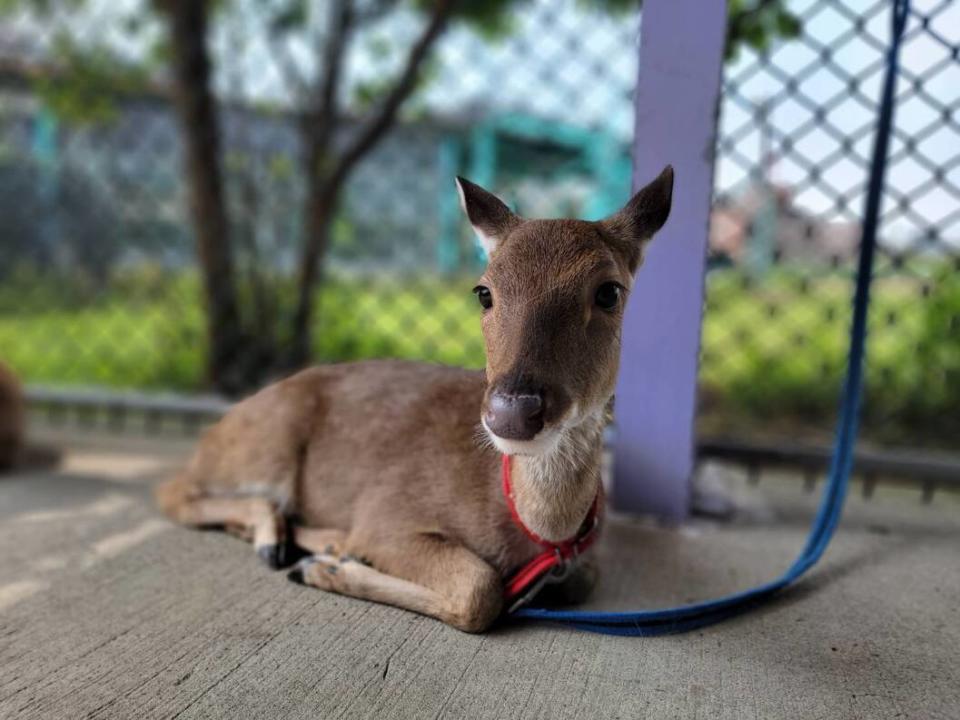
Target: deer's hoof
point(280, 555)
point(319, 571)
point(271, 555)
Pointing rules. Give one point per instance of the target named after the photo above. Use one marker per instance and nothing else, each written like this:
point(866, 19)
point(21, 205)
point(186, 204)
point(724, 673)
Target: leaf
point(292, 16)
point(87, 81)
point(379, 47)
point(758, 24)
point(788, 24)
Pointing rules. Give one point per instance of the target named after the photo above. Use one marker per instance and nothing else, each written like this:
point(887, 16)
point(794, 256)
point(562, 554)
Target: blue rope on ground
point(690, 617)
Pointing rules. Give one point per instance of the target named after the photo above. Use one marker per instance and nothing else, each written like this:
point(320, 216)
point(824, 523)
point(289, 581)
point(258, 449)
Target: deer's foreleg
point(424, 573)
point(319, 541)
point(256, 519)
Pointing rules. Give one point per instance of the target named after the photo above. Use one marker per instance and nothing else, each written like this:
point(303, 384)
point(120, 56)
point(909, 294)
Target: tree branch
point(368, 136)
point(375, 11)
point(322, 111)
point(287, 64)
point(737, 19)
point(326, 184)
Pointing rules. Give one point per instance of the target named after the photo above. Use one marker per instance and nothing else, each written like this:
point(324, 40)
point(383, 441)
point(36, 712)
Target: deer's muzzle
point(515, 416)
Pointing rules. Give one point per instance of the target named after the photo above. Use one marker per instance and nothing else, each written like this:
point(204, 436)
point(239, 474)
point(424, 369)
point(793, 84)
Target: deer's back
point(339, 441)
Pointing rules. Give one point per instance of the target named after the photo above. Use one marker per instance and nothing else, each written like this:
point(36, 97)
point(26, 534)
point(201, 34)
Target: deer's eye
point(608, 295)
point(484, 296)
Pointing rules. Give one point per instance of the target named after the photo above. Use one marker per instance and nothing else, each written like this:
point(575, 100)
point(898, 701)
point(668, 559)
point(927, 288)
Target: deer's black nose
point(515, 416)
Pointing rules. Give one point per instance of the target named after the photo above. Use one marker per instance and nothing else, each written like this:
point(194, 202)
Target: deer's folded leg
point(319, 541)
point(424, 573)
point(256, 518)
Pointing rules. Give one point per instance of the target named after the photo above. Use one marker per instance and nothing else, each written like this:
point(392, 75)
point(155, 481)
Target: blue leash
point(689, 617)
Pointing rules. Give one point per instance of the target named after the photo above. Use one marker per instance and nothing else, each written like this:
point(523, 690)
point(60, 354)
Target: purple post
point(681, 58)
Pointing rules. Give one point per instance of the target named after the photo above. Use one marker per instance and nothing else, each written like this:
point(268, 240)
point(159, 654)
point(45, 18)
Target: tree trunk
point(200, 131)
point(319, 208)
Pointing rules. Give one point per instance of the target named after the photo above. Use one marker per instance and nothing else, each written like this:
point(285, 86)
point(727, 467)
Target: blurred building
point(112, 192)
point(763, 225)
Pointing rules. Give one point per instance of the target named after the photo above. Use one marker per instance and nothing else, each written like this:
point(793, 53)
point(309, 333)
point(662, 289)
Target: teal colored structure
point(762, 238)
point(45, 149)
point(448, 249)
point(511, 146)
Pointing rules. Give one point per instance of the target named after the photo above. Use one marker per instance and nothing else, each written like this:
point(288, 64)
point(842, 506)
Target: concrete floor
point(107, 611)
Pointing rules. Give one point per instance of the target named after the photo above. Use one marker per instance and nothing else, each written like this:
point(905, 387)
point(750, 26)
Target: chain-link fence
point(795, 137)
point(99, 283)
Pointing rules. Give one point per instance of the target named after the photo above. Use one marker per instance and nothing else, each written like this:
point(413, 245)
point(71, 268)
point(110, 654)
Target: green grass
point(153, 337)
point(773, 351)
point(423, 319)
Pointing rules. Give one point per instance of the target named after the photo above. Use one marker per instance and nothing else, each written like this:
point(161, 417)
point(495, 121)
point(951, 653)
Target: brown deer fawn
point(12, 419)
point(426, 487)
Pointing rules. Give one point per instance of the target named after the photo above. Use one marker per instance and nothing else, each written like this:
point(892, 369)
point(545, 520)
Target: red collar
point(554, 562)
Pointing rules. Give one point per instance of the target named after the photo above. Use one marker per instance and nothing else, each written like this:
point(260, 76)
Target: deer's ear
point(491, 219)
point(642, 216)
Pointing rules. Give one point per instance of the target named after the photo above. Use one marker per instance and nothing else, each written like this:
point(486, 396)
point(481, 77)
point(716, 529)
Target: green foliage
point(379, 47)
point(40, 8)
point(763, 371)
point(287, 16)
point(91, 76)
point(756, 23)
point(367, 93)
point(86, 88)
point(937, 350)
point(280, 167)
point(491, 19)
point(344, 240)
point(85, 77)
point(775, 352)
point(146, 330)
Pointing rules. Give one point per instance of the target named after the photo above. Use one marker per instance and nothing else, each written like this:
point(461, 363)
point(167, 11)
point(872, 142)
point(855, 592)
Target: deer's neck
point(553, 492)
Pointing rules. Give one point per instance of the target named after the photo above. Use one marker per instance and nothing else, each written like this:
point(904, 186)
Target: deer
point(12, 420)
point(454, 493)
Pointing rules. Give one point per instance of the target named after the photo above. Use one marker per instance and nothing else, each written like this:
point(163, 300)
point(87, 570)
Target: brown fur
point(392, 481)
point(12, 419)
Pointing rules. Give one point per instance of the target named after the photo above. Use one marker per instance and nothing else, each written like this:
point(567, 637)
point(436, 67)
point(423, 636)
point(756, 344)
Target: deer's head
point(552, 297)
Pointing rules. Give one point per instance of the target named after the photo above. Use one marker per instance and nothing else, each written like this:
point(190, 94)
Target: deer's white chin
point(543, 442)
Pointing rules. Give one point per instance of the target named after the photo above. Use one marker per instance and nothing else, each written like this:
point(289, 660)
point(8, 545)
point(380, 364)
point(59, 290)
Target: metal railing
point(172, 415)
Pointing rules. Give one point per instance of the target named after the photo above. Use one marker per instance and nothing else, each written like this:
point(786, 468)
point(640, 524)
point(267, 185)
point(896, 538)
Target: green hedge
point(773, 350)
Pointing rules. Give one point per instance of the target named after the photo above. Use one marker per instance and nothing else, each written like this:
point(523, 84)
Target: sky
point(581, 67)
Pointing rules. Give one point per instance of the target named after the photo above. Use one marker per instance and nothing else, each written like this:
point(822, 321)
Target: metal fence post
point(681, 57)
